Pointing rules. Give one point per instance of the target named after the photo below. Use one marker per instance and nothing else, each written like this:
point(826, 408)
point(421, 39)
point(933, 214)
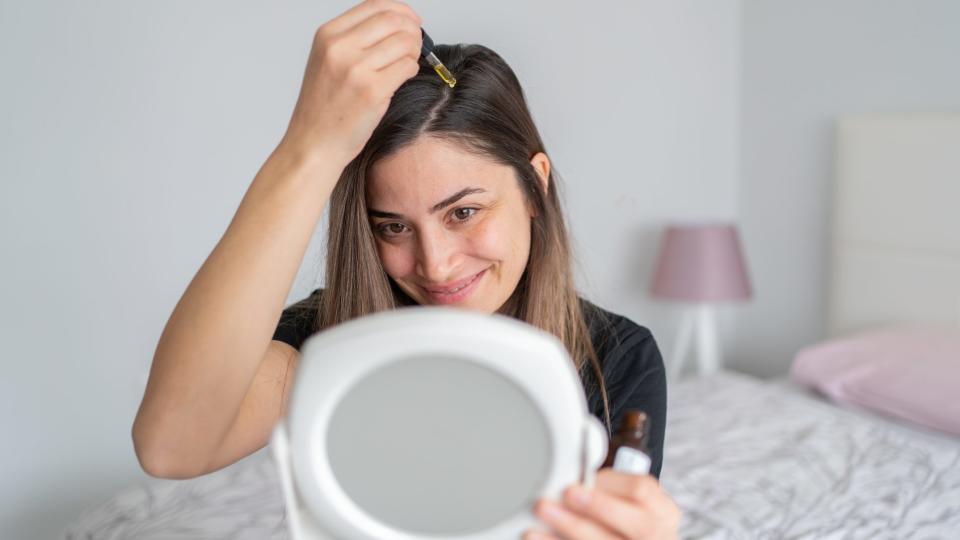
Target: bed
point(744, 457)
point(747, 458)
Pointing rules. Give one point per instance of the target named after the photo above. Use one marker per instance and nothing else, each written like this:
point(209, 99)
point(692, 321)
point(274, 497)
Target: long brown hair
point(486, 112)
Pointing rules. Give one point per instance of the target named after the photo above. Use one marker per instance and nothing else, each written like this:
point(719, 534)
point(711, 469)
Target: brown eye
point(390, 229)
point(464, 214)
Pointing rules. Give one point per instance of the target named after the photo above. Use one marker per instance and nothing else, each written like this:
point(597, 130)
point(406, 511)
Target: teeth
point(458, 288)
point(455, 290)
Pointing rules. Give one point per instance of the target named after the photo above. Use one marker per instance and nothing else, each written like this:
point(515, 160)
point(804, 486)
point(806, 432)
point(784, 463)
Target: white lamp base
point(698, 323)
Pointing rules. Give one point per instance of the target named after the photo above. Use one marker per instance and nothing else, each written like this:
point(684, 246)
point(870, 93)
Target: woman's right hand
point(357, 62)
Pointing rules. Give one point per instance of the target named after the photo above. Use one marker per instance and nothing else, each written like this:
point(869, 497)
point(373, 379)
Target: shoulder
point(627, 351)
point(611, 331)
point(299, 320)
point(310, 301)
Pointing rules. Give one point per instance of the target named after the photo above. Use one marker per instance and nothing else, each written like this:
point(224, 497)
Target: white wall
point(130, 131)
point(805, 63)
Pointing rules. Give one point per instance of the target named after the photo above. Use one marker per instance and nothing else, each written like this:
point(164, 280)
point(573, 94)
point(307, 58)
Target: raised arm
point(211, 393)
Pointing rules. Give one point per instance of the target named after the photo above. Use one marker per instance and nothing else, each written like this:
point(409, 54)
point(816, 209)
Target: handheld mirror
point(431, 423)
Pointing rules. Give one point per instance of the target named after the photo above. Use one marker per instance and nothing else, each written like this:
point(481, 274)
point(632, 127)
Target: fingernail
point(552, 511)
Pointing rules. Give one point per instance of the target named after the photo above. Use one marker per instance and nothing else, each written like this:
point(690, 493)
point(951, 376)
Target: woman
point(437, 195)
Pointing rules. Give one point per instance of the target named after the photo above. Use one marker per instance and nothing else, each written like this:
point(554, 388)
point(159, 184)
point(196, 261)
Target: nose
point(437, 256)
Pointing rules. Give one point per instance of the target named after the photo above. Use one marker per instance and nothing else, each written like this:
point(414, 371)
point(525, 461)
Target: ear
point(541, 164)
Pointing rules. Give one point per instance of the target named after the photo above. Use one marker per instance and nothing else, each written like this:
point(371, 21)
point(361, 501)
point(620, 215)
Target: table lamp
point(433, 423)
point(700, 265)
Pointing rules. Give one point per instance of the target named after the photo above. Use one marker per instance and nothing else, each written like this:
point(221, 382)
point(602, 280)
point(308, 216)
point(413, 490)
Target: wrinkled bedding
point(746, 458)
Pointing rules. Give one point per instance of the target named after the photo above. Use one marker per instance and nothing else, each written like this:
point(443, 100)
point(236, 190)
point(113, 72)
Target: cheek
point(397, 259)
point(486, 239)
point(501, 239)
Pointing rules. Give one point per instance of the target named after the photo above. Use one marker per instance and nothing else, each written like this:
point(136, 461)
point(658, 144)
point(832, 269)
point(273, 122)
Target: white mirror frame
point(333, 360)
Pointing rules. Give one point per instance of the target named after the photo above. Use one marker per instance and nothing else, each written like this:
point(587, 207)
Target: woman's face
point(452, 227)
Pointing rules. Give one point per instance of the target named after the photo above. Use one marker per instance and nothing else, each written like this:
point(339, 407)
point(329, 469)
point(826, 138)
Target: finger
point(394, 47)
point(569, 524)
point(379, 26)
point(641, 488)
point(396, 73)
point(364, 10)
point(627, 518)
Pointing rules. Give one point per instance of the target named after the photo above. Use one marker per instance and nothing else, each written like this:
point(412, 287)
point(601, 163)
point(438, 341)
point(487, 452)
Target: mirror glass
point(438, 445)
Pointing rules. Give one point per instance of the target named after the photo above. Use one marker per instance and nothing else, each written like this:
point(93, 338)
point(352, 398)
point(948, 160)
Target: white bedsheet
point(746, 458)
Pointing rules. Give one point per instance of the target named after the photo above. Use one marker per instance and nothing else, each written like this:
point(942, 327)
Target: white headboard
point(896, 222)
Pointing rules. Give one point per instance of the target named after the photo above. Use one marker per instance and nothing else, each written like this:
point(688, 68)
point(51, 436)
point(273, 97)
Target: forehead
point(431, 167)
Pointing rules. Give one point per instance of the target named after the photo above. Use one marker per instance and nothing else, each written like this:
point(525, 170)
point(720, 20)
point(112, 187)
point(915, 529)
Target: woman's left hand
point(621, 506)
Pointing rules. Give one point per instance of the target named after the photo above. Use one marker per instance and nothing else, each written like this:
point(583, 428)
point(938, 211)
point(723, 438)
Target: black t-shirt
point(629, 357)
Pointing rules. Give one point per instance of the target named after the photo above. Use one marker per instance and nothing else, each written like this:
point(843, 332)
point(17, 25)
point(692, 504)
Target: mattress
point(744, 458)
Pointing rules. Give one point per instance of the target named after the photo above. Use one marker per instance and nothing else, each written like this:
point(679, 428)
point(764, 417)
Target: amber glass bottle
point(628, 450)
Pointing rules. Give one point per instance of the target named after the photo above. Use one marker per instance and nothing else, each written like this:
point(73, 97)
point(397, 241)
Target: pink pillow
point(910, 372)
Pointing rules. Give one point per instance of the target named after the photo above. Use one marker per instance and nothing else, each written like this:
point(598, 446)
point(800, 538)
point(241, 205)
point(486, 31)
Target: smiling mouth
point(458, 288)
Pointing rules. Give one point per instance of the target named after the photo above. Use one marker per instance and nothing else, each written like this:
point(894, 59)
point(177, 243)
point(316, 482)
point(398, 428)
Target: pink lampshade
point(701, 263)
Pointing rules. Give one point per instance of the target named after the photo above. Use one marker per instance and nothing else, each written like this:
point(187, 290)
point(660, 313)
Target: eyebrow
point(435, 208)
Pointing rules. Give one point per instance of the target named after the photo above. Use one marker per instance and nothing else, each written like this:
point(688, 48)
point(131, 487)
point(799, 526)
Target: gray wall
point(804, 64)
point(129, 132)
